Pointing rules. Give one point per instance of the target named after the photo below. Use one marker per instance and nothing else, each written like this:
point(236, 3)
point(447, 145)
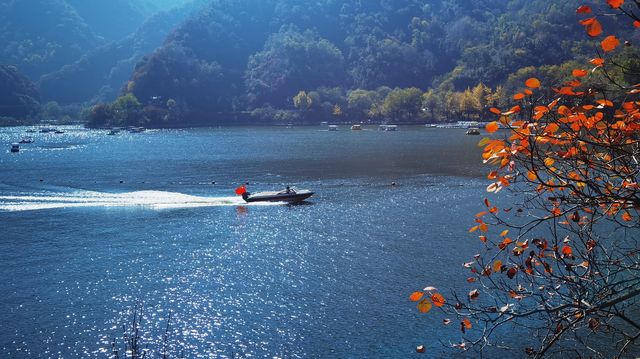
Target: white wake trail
point(145, 199)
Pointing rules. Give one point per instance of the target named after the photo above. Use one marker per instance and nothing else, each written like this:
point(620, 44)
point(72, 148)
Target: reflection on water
point(88, 232)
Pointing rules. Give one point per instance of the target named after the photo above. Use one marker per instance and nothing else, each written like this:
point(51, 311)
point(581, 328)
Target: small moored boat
point(15, 147)
point(332, 128)
point(473, 131)
point(356, 127)
point(289, 195)
point(26, 140)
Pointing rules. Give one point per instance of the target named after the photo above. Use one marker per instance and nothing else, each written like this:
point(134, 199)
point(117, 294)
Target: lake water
point(92, 225)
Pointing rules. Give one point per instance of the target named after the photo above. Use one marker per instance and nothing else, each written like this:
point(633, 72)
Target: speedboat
point(289, 195)
point(356, 127)
point(26, 140)
point(473, 131)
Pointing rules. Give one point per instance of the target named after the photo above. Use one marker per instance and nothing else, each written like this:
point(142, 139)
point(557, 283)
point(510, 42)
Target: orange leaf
point(567, 251)
point(424, 306)
point(466, 323)
point(597, 61)
point(495, 110)
point(636, 23)
point(532, 176)
point(626, 216)
point(603, 102)
point(532, 83)
point(492, 127)
point(549, 161)
point(580, 73)
point(438, 300)
point(593, 27)
point(584, 9)
point(615, 3)
point(504, 233)
point(497, 266)
point(518, 96)
point(610, 43)
point(416, 296)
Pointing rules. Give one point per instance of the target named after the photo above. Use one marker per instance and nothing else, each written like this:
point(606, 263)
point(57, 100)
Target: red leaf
point(615, 3)
point(438, 300)
point(492, 127)
point(636, 23)
point(532, 83)
point(416, 296)
point(610, 43)
point(584, 9)
point(592, 26)
point(580, 73)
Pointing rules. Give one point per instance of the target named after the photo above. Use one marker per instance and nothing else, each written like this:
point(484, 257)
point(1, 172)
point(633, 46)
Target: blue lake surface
point(91, 225)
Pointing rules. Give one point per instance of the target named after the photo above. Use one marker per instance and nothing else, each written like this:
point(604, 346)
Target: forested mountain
point(326, 57)
point(116, 19)
point(18, 96)
point(100, 75)
point(39, 36)
point(236, 61)
point(78, 51)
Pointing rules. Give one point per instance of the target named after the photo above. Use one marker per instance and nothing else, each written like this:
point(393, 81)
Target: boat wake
point(156, 200)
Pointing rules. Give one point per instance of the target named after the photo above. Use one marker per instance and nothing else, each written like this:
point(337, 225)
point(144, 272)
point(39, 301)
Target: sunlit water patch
point(87, 234)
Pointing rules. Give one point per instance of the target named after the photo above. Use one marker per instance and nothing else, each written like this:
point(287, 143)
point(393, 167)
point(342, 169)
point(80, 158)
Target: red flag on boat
point(241, 190)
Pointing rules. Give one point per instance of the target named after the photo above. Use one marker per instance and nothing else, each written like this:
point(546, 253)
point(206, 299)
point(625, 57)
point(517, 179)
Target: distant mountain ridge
point(100, 74)
point(41, 36)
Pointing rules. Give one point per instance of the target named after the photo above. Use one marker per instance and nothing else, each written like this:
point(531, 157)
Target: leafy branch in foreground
point(565, 265)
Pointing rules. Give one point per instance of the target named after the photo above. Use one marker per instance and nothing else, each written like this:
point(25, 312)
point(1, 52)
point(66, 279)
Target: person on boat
point(288, 189)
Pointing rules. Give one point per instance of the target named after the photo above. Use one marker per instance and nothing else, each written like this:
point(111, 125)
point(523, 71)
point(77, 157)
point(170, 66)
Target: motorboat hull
point(278, 197)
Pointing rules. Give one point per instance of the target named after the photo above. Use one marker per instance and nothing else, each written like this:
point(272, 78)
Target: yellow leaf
point(424, 306)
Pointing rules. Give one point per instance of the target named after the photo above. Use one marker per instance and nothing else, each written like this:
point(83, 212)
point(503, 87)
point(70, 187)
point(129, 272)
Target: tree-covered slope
point(100, 75)
point(18, 96)
point(252, 54)
point(39, 36)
